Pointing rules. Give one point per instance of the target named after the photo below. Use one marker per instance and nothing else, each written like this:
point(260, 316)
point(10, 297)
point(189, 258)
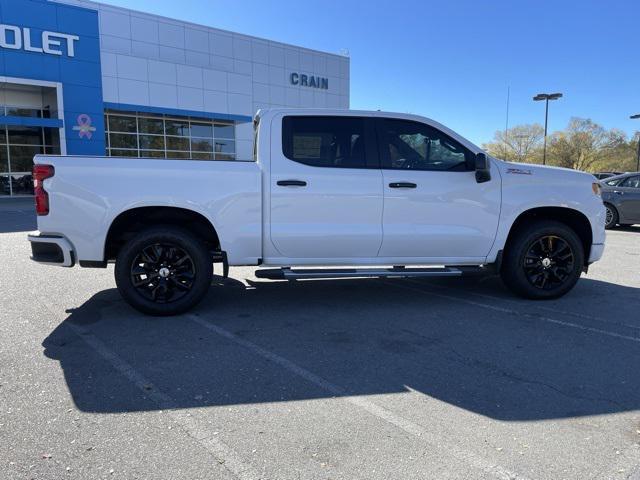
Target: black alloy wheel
point(163, 272)
point(542, 260)
point(549, 262)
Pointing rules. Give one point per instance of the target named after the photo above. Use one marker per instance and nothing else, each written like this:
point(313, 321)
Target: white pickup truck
point(328, 194)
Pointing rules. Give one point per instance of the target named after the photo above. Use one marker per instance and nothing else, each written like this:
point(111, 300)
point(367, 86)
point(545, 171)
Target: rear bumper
point(597, 249)
point(51, 250)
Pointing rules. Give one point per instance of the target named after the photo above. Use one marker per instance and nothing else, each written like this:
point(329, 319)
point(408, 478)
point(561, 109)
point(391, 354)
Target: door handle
point(292, 183)
point(618, 192)
point(402, 185)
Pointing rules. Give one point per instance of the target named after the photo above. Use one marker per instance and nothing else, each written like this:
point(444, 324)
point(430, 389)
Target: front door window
point(409, 145)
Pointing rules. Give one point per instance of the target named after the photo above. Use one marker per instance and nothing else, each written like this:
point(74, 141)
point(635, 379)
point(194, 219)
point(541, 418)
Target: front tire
point(543, 260)
point(163, 271)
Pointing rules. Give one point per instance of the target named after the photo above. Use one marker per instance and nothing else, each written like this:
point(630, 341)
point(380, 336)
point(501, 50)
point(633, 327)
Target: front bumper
point(51, 250)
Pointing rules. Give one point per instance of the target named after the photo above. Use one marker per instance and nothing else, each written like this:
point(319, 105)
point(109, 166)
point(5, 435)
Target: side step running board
point(302, 273)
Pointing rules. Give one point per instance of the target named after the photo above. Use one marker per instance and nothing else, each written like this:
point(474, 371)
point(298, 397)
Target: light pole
point(633, 117)
point(546, 97)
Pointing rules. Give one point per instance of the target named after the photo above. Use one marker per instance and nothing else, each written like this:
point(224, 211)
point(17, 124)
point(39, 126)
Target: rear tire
point(611, 217)
point(163, 271)
point(543, 260)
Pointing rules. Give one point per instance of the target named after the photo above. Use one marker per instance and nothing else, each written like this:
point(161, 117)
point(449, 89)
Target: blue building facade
point(77, 72)
point(82, 78)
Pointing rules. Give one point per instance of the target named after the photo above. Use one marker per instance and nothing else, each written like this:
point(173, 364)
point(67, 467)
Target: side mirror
point(483, 168)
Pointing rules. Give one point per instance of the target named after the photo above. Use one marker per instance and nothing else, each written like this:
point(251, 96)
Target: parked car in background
point(621, 197)
point(603, 175)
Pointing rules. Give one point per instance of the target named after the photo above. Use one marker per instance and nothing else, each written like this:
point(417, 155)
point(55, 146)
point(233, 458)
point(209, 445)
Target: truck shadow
point(466, 343)
point(629, 228)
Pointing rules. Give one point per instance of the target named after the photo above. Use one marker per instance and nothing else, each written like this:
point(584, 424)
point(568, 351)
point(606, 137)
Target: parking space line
point(398, 421)
point(536, 305)
point(514, 312)
point(223, 454)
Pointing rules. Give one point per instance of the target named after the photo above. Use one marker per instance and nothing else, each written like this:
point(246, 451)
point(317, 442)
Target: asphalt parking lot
point(333, 379)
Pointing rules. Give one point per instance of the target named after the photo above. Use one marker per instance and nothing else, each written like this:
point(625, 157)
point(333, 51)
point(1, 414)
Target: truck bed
point(86, 194)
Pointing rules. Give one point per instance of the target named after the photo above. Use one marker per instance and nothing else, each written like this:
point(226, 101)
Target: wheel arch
point(574, 219)
point(134, 220)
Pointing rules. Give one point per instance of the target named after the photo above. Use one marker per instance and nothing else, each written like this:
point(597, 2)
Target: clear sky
point(453, 60)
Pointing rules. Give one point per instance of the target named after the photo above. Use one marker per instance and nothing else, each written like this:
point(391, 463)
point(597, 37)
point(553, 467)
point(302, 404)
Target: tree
point(522, 143)
point(622, 158)
point(584, 144)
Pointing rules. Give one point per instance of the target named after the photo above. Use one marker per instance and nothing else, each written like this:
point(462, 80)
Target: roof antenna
point(506, 124)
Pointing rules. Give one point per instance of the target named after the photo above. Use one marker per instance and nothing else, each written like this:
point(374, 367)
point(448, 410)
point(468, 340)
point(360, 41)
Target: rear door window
point(631, 182)
point(330, 142)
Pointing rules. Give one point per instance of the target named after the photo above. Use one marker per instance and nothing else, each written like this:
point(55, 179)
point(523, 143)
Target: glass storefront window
point(160, 136)
point(5, 189)
point(123, 153)
point(22, 184)
point(4, 159)
point(225, 146)
point(152, 153)
point(176, 127)
point(19, 135)
point(150, 142)
point(203, 156)
point(122, 124)
point(18, 146)
point(52, 138)
point(24, 104)
point(202, 130)
point(21, 157)
point(225, 131)
point(178, 143)
point(123, 140)
point(151, 125)
point(178, 155)
point(24, 112)
point(202, 144)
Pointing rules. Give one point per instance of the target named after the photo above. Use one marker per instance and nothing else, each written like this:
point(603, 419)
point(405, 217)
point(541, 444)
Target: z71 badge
point(519, 171)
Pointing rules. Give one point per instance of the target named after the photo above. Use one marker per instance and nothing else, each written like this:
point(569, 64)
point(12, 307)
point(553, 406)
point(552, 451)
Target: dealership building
point(84, 78)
